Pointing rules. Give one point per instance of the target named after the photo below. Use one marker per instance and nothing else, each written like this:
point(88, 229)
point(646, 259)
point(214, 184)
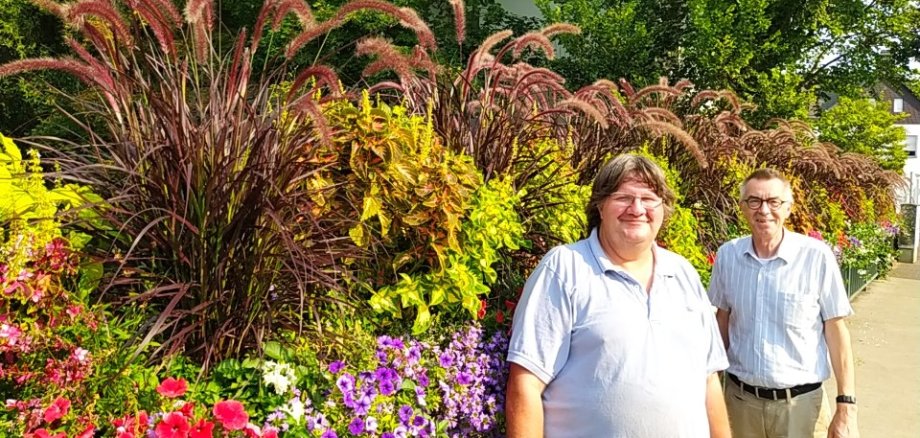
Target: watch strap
point(849, 399)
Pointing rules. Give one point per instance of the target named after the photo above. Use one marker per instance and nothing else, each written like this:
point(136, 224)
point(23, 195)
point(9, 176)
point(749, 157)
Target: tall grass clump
point(205, 162)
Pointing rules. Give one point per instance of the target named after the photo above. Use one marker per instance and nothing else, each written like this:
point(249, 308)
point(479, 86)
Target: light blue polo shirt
point(617, 361)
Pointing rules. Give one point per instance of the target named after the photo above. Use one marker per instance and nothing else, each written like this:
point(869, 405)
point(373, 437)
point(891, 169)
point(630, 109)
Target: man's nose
point(636, 205)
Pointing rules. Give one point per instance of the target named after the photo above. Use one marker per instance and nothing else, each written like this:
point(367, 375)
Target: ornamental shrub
point(489, 229)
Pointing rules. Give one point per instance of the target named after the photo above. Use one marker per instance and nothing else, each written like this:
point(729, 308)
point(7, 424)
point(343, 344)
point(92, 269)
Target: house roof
point(889, 92)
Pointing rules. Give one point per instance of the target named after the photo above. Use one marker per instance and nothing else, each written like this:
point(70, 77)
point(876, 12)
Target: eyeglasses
point(755, 203)
point(625, 200)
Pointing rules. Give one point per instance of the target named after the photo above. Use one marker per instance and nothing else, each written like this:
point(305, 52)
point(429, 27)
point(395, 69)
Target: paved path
point(885, 332)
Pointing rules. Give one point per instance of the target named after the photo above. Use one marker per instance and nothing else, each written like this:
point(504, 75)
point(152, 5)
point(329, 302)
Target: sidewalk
point(885, 332)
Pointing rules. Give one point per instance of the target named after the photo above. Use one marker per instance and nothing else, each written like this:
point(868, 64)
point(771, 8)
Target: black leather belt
point(774, 394)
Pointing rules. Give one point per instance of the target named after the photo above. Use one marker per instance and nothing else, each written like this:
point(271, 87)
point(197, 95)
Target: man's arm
point(524, 404)
point(715, 408)
point(722, 319)
point(841, 352)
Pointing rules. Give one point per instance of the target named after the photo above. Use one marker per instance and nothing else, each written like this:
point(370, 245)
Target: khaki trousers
point(805, 416)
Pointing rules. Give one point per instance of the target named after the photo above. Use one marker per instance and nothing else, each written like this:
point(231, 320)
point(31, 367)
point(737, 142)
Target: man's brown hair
point(624, 168)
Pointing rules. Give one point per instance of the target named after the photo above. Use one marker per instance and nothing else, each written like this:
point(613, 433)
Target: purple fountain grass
point(459, 11)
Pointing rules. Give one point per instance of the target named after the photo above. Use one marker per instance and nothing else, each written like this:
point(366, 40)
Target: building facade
point(903, 101)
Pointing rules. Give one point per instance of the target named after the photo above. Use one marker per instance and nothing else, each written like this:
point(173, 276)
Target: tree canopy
point(866, 127)
point(779, 54)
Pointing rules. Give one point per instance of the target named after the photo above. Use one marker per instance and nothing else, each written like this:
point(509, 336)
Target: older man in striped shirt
point(781, 304)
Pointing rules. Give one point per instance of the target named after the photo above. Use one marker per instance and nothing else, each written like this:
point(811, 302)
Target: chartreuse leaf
point(371, 207)
point(422, 320)
point(9, 152)
point(381, 302)
point(357, 235)
point(438, 295)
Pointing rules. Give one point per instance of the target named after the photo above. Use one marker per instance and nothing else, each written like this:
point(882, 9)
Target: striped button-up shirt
point(777, 309)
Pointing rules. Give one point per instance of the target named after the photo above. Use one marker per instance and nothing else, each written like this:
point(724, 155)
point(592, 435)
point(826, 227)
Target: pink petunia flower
point(88, 432)
point(172, 388)
point(231, 414)
point(173, 425)
point(42, 433)
point(57, 410)
point(11, 333)
point(80, 355)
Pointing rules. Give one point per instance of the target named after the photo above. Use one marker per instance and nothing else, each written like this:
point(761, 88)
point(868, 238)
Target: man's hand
point(844, 423)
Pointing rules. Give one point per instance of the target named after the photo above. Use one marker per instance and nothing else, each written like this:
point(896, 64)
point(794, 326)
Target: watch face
point(846, 399)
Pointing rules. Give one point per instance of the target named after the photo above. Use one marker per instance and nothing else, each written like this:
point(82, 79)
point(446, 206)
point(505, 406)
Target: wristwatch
point(849, 399)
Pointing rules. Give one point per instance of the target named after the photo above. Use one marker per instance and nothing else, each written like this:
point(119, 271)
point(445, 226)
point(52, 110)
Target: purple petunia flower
point(362, 405)
point(464, 378)
point(419, 421)
point(356, 427)
point(387, 435)
point(414, 355)
point(405, 413)
point(445, 360)
point(387, 387)
point(385, 373)
point(329, 433)
point(336, 366)
point(345, 383)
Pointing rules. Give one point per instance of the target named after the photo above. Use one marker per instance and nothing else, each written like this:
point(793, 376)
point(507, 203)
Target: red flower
point(172, 388)
point(231, 414)
point(187, 408)
point(202, 429)
point(482, 309)
point(711, 258)
point(270, 432)
point(173, 425)
point(57, 410)
point(500, 317)
point(252, 431)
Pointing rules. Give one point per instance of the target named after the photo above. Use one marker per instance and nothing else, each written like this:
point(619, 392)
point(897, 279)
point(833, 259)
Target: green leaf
point(273, 350)
point(422, 320)
point(438, 295)
point(90, 275)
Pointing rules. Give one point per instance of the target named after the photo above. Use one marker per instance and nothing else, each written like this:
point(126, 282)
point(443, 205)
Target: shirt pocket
point(799, 309)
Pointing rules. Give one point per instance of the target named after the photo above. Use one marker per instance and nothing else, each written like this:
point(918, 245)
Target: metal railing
point(856, 280)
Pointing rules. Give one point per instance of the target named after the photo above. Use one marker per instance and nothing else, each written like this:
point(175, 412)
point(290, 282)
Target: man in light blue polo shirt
point(614, 336)
point(781, 306)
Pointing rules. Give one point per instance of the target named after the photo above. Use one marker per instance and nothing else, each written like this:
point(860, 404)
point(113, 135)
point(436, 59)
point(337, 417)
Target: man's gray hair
point(766, 174)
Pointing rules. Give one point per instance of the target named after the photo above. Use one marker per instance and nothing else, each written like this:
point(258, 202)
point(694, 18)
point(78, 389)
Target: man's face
point(765, 220)
point(632, 213)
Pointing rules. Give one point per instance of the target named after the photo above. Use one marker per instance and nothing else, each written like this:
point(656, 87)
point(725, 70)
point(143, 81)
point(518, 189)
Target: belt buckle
point(771, 392)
